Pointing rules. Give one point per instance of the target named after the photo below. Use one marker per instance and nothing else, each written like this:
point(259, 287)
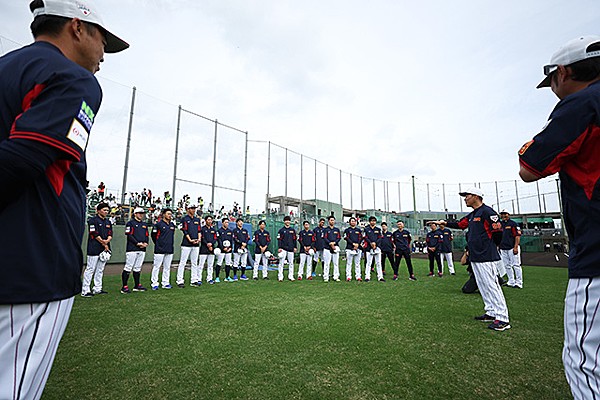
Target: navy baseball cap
point(86, 11)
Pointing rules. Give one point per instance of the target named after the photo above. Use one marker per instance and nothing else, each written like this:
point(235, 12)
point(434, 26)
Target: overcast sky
point(441, 90)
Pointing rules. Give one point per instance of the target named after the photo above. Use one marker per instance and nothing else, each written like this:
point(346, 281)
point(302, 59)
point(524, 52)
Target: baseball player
point(387, 246)
point(331, 252)
point(190, 245)
point(371, 241)
point(485, 233)
point(568, 145)
point(208, 243)
point(306, 238)
point(286, 242)
point(434, 244)
point(100, 235)
point(510, 250)
point(402, 241)
point(241, 237)
point(226, 245)
point(446, 248)
point(49, 98)
point(163, 234)
point(354, 237)
point(319, 245)
point(262, 238)
point(136, 232)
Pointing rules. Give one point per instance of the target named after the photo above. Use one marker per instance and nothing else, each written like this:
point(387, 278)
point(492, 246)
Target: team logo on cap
point(84, 10)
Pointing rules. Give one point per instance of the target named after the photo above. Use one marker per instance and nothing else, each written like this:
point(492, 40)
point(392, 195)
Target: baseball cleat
point(336, 279)
point(430, 274)
point(235, 278)
point(348, 279)
point(310, 278)
point(498, 325)
point(243, 277)
point(211, 282)
point(255, 278)
point(412, 278)
point(217, 280)
point(299, 277)
point(382, 280)
point(101, 292)
point(167, 287)
point(87, 295)
point(139, 288)
point(154, 287)
point(440, 274)
point(395, 278)
point(181, 285)
point(484, 318)
point(125, 290)
point(358, 279)
point(196, 284)
point(266, 278)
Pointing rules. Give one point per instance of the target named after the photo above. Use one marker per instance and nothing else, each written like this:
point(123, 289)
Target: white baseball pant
point(329, 256)
point(582, 337)
point(369, 262)
point(163, 260)
point(449, 261)
point(353, 259)
point(29, 337)
point(239, 261)
point(318, 255)
point(224, 256)
point(491, 292)
point(258, 258)
point(305, 259)
point(512, 263)
point(192, 253)
point(209, 259)
point(93, 269)
point(134, 261)
point(289, 256)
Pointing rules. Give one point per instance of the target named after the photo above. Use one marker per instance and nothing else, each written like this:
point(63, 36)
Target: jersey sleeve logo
point(77, 134)
point(494, 218)
point(525, 147)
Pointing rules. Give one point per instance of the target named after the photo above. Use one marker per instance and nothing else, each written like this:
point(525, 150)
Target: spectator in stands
point(101, 189)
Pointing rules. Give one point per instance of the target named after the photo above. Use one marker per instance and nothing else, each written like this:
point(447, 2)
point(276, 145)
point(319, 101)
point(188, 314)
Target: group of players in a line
point(204, 244)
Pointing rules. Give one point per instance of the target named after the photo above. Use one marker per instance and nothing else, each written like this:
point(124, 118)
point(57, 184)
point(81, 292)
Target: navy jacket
point(162, 236)
point(136, 232)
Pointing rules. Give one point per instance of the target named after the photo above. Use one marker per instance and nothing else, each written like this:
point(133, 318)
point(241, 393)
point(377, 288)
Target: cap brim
point(545, 82)
point(463, 194)
point(114, 44)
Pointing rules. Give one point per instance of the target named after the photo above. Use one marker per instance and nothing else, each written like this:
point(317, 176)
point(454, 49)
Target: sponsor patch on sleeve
point(77, 134)
point(525, 147)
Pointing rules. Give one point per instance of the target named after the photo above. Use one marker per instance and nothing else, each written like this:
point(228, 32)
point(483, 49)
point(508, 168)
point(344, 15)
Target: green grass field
point(314, 340)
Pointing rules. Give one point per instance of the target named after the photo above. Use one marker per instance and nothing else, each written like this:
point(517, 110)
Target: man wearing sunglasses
point(569, 144)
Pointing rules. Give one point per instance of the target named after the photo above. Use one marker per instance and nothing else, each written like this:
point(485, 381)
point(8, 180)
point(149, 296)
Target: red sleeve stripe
point(463, 223)
point(530, 169)
point(46, 140)
point(488, 228)
point(56, 174)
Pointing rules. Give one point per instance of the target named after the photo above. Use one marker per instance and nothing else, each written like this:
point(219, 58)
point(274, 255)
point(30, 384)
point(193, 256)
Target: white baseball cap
point(504, 211)
point(569, 53)
point(139, 210)
point(86, 11)
point(472, 190)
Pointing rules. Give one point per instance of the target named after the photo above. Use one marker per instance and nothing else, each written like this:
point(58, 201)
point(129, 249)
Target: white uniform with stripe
point(491, 292)
point(29, 337)
point(353, 259)
point(582, 338)
point(328, 257)
point(289, 256)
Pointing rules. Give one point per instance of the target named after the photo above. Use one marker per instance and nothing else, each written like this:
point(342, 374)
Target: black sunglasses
point(548, 69)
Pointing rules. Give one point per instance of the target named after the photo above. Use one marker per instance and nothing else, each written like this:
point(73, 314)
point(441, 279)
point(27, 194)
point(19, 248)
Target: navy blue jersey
point(47, 105)
point(331, 235)
point(225, 239)
point(484, 226)
point(447, 239)
point(286, 239)
point(190, 226)
point(98, 227)
point(240, 236)
point(136, 232)
point(510, 230)
point(208, 235)
point(386, 243)
point(569, 144)
point(261, 238)
point(319, 240)
point(353, 236)
point(434, 239)
point(306, 238)
point(372, 235)
point(402, 240)
point(162, 236)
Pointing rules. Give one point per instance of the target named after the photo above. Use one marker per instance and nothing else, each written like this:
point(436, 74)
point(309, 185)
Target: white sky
point(441, 90)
